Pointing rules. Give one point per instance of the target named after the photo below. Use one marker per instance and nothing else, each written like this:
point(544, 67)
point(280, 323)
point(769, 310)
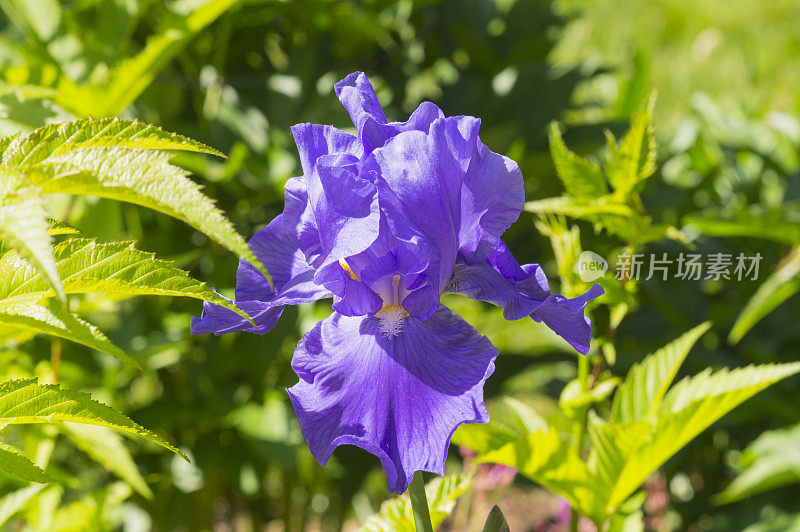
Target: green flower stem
point(579, 426)
point(419, 503)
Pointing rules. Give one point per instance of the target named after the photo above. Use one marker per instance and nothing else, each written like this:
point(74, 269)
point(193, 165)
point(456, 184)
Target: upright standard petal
point(420, 193)
point(357, 96)
point(399, 398)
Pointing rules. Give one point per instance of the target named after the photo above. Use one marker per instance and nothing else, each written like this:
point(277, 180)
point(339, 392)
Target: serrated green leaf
point(579, 208)
point(61, 228)
point(114, 268)
point(16, 500)
point(770, 462)
point(51, 318)
point(24, 401)
point(780, 286)
point(580, 177)
point(144, 178)
point(633, 159)
point(510, 420)
point(396, 514)
point(14, 463)
point(107, 448)
point(23, 227)
point(647, 382)
point(58, 139)
point(688, 408)
point(573, 398)
point(609, 213)
point(115, 159)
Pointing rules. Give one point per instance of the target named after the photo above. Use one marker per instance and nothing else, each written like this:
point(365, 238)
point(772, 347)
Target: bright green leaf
point(114, 268)
point(581, 177)
point(633, 159)
point(646, 383)
point(548, 459)
point(115, 159)
point(396, 515)
point(16, 500)
point(688, 408)
point(23, 227)
point(780, 286)
point(51, 318)
point(107, 448)
point(55, 140)
point(572, 397)
point(14, 463)
point(24, 401)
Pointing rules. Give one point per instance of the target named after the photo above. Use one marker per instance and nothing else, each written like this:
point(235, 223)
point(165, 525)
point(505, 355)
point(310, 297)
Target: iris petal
point(523, 291)
point(292, 277)
point(399, 398)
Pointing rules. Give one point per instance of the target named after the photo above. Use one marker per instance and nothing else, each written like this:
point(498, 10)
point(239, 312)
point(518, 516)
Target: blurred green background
point(727, 75)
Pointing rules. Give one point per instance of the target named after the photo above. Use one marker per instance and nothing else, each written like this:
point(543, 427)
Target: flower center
point(391, 292)
point(392, 314)
point(392, 318)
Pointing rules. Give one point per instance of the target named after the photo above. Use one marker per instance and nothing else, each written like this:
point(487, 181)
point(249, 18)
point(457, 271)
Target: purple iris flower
point(385, 222)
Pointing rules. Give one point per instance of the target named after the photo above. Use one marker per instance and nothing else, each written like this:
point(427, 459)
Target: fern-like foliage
point(117, 159)
point(650, 421)
point(608, 196)
point(25, 401)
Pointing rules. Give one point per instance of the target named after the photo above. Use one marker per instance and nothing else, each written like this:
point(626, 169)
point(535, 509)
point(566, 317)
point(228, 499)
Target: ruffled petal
point(292, 278)
point(314, 140)
point(523, 291)
point(399, 398)
point(491, 200)
point(420, 193)
point(356, 94)
point(565, 317)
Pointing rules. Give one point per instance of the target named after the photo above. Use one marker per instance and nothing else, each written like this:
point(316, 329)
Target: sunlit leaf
point(772, 461)
point(58, 139)
point(396, 514)
point(131, 78)
point(780, 286)
point(116, 159)
point(14, 463)
point(51, 318)
point(633, 159)
point(16, 500)
point(688, 408)
point(640, 395)
point(23, 227)
point(114, 268)
point(107, 448)
point(550, 460)
point(581, 177)
point(24, 401)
